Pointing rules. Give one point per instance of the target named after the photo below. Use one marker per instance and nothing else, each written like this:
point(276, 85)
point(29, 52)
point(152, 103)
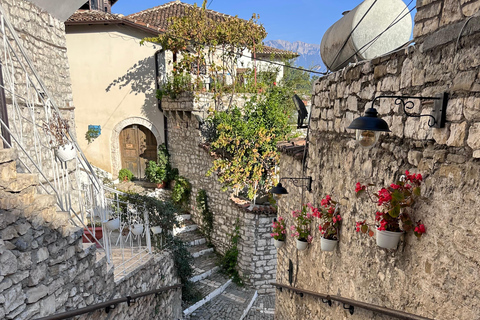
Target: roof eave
point(108, 22)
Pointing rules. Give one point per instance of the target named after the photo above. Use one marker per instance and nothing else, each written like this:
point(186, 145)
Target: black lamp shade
point(279, 189)
point(369, 122)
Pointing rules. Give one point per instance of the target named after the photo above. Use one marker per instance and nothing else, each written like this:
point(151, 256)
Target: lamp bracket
point(438, 116)
point(296, 182)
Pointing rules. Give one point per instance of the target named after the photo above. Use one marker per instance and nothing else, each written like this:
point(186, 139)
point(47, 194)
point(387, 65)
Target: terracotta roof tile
point(294, 148)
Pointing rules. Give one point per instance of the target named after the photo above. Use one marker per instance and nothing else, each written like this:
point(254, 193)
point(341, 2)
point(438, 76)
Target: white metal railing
point(74, 183)
point(127, 232)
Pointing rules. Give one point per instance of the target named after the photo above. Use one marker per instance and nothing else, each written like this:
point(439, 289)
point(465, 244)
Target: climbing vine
point(229, 261)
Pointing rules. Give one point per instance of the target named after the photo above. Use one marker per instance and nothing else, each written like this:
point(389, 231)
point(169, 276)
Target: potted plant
point(92, 133)
point(301, 229)
point(125, 175)
point(330, 218)
point(394, 217)
point(112, 224)
point(156, 173)
point(57, 129)
point(278, 232)
point(93, 230)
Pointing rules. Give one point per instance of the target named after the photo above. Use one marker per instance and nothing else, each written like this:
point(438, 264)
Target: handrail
point(368, 306)
point(108, 305)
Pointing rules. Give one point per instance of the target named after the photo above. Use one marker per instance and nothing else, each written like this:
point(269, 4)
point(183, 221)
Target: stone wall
point(45, 268)
point(432, 276)
point(257, 256)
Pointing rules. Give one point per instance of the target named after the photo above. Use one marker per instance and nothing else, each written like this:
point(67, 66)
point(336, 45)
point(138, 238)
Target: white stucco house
point(115, 79)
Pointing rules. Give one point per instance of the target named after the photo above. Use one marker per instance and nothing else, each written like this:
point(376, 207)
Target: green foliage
point(246, 140)
point(91, 135)
point(181, 190)
point(155, 173)
point(125, 175)
point(214, 45)
point(230, 260)
point(207, 215)
point(298, 80)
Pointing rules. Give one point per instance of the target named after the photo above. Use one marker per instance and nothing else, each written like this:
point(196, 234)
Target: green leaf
point(397, 195)
point(364, 228)
point(416, 191)
point(394, 212)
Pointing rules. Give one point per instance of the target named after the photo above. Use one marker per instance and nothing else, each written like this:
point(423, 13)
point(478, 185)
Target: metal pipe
point(368, 306)
point(107, 304)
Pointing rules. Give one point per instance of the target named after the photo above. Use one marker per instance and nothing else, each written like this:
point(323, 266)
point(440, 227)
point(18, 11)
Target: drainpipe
point(159, 102)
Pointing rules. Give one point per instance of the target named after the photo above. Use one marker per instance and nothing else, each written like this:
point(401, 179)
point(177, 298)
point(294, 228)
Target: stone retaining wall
point(430, 277)
point(257, 256)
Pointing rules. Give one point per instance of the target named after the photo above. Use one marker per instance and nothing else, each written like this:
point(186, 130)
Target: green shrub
point(181, 190)
point(229, 261)
point(155, 173)
point(125, 175)
point(207, 215)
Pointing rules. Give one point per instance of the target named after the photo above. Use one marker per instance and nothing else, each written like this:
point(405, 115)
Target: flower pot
point(302, 244)
point(161, 185)
point(137, 229)
point(113, 224)
point(388, 239)
point(327, 244)
point(88, 238)
point(66, 152)
point(156, 230)
point(278, 243)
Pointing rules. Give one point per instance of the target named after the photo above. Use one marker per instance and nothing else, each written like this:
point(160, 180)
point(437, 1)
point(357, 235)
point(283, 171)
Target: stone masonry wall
point(431, 277)
point(257, 256)
point(45, 268)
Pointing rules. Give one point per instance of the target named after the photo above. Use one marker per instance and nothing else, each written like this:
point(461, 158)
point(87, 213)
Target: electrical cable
point(351, 32)
point(375, 39)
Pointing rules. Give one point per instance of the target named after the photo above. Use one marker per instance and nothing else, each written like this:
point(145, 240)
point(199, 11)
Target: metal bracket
point(132, 301)
point(300, 294)
point(108, 308)
point(350, 308)
point(327, 301)
point(290, 271)
point(439, 113)
point(296, 182)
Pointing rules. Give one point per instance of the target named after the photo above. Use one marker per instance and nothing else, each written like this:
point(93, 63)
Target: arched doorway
point(138, 145)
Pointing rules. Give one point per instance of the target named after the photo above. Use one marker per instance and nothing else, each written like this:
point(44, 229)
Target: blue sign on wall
point(96, 128)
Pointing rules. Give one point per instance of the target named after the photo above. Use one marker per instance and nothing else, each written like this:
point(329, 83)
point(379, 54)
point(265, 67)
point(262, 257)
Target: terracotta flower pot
point(388, 239)
point(161, 185)
point(97, 231)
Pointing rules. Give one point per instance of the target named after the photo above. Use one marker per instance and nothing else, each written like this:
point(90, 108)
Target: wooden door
point(137, 146)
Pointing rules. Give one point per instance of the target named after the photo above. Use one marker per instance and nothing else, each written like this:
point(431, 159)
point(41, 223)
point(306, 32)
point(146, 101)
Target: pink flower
point(309, 239)
point(280, 219)
point(339, 218)
point(359, 187)
point(394, 186)
point(420, 229)
point(334, 220)
point(358, 229)
point(292, 228)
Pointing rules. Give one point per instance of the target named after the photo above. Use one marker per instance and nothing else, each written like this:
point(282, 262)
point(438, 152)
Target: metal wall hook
point(350, 308)
point(108, 308)
point(327, 301)
point(300, 294)
point(132, 301)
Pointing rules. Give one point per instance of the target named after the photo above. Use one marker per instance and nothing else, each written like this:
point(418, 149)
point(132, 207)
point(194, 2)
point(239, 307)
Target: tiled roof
point(100, 17)
point(160, 16)
point(268, 51)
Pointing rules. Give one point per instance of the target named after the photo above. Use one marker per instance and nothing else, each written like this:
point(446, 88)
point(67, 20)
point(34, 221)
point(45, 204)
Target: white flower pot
point(156, 230)
point(278, 243)
point(327, 244)
point(137, 229)
point(388, 239)
point(301, 245)
point(113, 224)
point(66, 152)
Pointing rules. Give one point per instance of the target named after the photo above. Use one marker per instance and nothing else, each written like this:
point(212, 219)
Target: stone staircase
point(221, 298)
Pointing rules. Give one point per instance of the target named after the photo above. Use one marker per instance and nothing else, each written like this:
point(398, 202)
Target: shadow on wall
point(141, 78)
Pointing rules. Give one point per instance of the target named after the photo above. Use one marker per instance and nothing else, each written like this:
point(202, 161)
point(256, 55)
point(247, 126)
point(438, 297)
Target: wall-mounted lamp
point(369, 126)
point(279, 190)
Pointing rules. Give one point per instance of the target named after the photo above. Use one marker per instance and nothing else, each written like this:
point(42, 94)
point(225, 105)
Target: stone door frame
point(115, 139)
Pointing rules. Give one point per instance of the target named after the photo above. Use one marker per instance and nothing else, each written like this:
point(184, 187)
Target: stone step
point(8, 171)
point(199, 250)
point(204, 266)
point(262, 308)
point(232, 304)
point(185, 228)
point(208, 288)
point(192, 238)
point(8, 155)
point(21, 199)
point(21, 182)
point(183, 217)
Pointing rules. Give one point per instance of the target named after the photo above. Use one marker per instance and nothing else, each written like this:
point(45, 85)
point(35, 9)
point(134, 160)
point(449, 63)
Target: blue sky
point(303, 20)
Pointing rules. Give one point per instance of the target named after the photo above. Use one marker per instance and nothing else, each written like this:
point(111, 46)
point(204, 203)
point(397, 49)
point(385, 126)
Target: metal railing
point(351, 303)
point(108, 305)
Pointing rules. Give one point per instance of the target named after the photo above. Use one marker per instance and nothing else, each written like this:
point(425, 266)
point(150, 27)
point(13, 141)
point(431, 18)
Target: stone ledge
point(294, 148)
point(253, 208)
point(451, 33)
